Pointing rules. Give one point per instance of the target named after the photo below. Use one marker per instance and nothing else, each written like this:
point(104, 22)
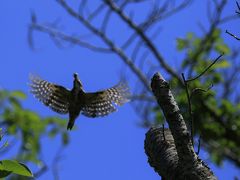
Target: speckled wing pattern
point(104, 102)
point(52, 95)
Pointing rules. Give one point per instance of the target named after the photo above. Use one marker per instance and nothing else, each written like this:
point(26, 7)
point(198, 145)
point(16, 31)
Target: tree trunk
point(170, 151)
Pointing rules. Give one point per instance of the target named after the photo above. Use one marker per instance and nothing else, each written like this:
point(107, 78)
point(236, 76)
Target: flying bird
point(76, 100)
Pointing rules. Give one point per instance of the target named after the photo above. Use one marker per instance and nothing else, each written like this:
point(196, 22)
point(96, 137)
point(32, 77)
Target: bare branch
point(202, 73)
point(96, 12)
point(189, 108)
point(147, 41)
point(105, 21)
point(82, 6)
point(238, 6)
point(195, 90)
point(154, 17)
point(107, 41)
point(54, 33)
point(237, 38)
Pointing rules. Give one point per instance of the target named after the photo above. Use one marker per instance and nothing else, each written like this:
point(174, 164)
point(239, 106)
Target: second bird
point(74, 101)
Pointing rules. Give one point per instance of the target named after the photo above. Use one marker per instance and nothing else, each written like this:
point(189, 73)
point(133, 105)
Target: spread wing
point(103, 102)
point(52, 95)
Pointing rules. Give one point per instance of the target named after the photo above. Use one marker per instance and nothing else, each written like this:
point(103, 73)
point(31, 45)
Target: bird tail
point(71, 122)
point(70, 125)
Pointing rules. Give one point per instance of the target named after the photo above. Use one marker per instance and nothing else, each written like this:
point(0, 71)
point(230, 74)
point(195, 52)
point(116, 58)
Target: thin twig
point(105, 21)
point(194, 91)
point(143, 36)
point(238, 12)
point(96, 12)
point(202, 73)
point(151, 20)
point(82, 6)
point(107, 41)
point(189, 97)
point(237, 38)
point(189, 107)
point(54, 33)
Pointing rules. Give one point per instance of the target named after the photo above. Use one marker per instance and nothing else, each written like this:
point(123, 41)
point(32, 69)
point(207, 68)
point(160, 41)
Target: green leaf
point(222, 48)
point(181, 44)
point(15, 167)
point(4, 173)
point(222, 64)
point(18, 94)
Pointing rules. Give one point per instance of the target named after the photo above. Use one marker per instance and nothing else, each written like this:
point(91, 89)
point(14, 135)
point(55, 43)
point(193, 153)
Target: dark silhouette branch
point(107, 41)
point(205, 70)
point(238, 6)
point(155, 17)
point(189, 96)
point(141, 34)
point(54, 33)
point(96, 12)
point(189, 108)
point(195, 90)
point(111, 45)
point(237, 38)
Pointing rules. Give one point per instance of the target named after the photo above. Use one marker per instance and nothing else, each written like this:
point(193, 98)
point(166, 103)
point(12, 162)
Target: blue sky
point(104, 148)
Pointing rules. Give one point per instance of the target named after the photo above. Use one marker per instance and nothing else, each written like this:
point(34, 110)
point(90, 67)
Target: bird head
point(75, 75)
point(77, 83)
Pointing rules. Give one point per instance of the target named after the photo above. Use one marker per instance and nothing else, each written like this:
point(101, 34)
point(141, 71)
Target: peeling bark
point(170, 152)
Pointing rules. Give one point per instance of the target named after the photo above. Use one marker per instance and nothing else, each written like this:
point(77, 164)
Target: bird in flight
point(76, 100)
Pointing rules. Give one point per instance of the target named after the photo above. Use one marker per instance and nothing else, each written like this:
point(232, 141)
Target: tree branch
point(69, 38)
point(174, 157)
point(172, 114)
point(237, 38)
point(107, 41)
point(143, 37)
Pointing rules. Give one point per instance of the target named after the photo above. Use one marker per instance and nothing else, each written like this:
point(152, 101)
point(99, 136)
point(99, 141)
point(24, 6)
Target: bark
point(170, 151)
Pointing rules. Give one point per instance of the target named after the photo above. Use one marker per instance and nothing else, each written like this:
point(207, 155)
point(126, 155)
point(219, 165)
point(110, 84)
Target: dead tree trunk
point(170, 151)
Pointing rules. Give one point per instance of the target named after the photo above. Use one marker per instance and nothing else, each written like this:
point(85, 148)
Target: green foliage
point(216, 119)
point(9, 166)
point(29, 127)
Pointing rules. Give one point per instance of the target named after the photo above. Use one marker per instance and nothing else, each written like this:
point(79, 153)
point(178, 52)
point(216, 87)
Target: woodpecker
point(76, 100)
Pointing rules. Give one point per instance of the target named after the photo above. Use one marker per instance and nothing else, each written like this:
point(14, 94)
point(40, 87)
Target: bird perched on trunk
point(63, 101)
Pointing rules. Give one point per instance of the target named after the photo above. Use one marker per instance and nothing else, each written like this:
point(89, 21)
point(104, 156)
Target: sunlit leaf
point(222, 64)
point(18, 94)
point(15, 167)
point(181, 44)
